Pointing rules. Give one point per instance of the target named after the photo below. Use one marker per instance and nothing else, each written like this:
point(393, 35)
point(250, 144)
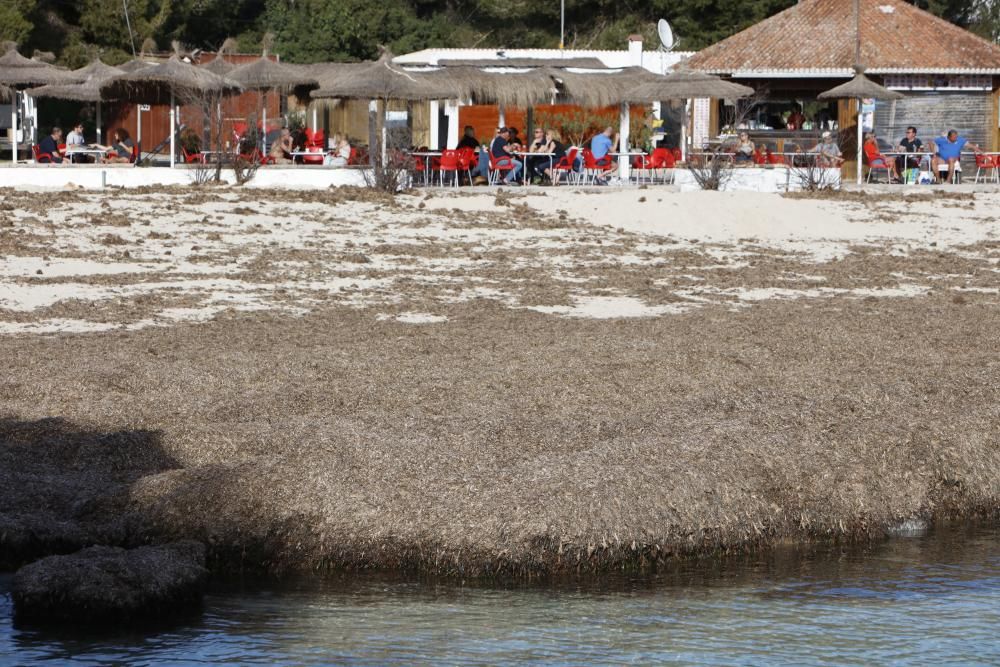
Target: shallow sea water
point(928, 599)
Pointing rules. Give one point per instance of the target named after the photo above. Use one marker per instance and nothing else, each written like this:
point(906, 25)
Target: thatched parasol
point(860, 87)
point(601, 87)
point(135, 65)
point(685, 84)
point(384, 80)
point(17, 72)
point(165, 82)
point(266, 75)
point(500, 85)
point(96, 73)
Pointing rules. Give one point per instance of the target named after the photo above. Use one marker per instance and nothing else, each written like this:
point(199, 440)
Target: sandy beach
point(492, 382)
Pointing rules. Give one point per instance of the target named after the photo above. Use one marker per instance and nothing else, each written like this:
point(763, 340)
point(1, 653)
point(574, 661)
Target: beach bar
point(949, 77)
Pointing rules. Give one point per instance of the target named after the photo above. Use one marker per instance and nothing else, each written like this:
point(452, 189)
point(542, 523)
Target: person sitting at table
point(909, 144)
point(876, 160)
point(601, 147)
point(949, 152)
point(341, 152)
point(122, 146)
point(745, 148)
point(827, 152)
point(50, 144)
point(499, 150)
point(558, 148)
point(515, 139)
point(535, 165)
point(281, 149)
point(469, 139)
point(75, 141)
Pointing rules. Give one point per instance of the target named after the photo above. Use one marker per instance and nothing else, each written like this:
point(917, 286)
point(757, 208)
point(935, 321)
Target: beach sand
point(482, 382)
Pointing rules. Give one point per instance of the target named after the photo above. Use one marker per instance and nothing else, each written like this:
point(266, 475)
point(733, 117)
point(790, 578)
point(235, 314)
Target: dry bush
point(712, 171)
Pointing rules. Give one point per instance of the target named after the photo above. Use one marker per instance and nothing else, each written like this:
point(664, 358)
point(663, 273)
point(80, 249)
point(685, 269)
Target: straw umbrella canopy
point(17, 72)
point(96, 73)
point(135, 65)
point(600, 87)
point(218, 65)
point(382, 80)
point(685, 84)
point(266, 75)
point(860, 87)
point(501, 85)
point(166, 82)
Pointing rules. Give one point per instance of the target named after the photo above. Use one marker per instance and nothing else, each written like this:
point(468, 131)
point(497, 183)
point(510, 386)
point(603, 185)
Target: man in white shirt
point(75, 140)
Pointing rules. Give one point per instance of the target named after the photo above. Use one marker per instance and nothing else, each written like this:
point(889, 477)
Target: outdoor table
point(299, 154)
point(524, 161)
point(427, 155)
point(624, 157)
point(96, 152)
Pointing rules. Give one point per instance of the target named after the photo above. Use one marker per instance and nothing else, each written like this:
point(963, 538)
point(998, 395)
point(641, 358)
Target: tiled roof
point(820, 35)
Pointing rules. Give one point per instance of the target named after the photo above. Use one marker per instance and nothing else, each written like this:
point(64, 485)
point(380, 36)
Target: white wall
point(95, 177)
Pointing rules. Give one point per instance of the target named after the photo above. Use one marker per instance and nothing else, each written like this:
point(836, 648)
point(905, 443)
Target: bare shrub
point(245, 168)
point(388, 170)
point(809, 174)
point(711, 171)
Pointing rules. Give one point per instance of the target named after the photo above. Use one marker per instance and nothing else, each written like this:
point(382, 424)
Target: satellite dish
point(666, 34)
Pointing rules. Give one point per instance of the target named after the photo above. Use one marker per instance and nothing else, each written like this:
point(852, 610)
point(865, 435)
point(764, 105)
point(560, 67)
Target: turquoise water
point(931, 599)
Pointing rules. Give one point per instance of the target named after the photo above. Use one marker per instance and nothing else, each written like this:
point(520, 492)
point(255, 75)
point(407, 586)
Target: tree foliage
point(312, 30)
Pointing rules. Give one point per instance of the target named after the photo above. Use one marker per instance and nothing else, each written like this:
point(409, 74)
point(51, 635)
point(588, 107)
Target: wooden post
point(847, 138)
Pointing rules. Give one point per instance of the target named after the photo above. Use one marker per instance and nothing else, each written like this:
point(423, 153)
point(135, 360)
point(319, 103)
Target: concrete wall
point(95, 177)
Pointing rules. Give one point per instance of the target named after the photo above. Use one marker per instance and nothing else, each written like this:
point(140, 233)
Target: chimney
point(635, 50)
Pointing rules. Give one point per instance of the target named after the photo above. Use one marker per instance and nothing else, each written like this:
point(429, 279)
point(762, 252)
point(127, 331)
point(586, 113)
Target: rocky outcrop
point(109, 583)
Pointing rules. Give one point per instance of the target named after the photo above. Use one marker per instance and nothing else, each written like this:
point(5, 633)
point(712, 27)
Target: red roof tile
point(820, 34)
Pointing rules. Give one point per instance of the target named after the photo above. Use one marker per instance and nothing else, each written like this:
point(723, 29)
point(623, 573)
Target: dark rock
point(110, 583)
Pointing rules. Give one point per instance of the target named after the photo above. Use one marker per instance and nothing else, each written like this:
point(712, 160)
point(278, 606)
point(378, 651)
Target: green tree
point(14, 23)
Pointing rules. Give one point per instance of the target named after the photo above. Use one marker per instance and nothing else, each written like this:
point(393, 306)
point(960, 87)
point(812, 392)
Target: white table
point(320, 154)
point(524, 162)
point(86, 150)
point(427, 155)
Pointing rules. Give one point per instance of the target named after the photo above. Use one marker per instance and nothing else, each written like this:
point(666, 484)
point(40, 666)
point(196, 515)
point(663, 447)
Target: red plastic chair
point(565, 165)
point(450, 162)
point(498, 165)
point(592, 167)
point(876, 160)
point(40, 157)
point(317, 139)
point(467, 160)
point(990, 164)
point(191, 158)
